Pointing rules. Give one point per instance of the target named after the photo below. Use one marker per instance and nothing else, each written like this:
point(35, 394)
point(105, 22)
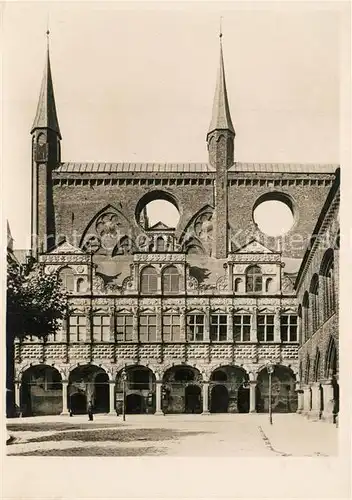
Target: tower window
point(288, 328)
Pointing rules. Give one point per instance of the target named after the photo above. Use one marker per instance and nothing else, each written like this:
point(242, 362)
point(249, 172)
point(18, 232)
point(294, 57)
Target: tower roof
point(46, 116)
point(221, 117)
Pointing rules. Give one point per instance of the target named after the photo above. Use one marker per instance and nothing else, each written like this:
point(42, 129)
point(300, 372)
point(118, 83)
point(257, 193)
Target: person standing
point(90, 410)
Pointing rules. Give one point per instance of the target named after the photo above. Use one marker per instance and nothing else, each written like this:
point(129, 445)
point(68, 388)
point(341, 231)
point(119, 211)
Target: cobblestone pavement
point(225, 435)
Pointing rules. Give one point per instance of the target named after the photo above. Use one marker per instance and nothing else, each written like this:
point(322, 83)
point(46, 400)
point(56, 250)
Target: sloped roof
point(71, 167)
point(124, 167)
point(285, 167)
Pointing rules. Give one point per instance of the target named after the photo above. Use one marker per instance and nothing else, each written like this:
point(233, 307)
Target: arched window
point(254, 279)
point(66, 276)
point(305, 317)
point(307, 371)
point(81, 287)
point(269, 285)
point(331, 359)
point(149, 280)
point(317, 366)
point(299, 315)
point(327, 273)
point(314, 291)
point(238, 285)
point(171, 280)
point(160, 244)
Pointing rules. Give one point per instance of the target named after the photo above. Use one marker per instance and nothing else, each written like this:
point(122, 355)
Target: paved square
point(222, 435)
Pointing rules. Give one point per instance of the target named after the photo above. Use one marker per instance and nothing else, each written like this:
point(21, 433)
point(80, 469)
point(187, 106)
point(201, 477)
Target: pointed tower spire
point(221, 117)
point(46, 116)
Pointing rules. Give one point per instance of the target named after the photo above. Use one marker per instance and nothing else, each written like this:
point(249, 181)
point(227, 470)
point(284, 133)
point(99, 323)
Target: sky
point(135, 82)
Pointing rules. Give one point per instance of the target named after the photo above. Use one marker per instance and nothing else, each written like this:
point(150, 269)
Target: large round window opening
point(157, 211)
point(274, 216)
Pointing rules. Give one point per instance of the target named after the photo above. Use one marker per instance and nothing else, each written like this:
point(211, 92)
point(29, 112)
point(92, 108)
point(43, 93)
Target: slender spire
point(46, 116)
point(221, 118)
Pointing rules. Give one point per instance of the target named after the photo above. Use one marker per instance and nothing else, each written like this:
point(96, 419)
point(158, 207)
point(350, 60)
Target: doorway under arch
point(134, 404)
point(182, 384)
point(78, 404)
point(92, 382)
point(243, 399)
point(283, 394)
point(193, 399)
point(219, 399)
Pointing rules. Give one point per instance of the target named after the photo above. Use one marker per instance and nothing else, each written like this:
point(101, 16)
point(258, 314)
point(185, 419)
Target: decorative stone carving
point(222, 284)
point(255, 257)
point(287, 284)
point(98, 285)
point(192, 283)
point(159, 257)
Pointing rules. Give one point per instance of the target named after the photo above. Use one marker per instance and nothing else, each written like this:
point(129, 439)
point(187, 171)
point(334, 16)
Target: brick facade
point(225, 330)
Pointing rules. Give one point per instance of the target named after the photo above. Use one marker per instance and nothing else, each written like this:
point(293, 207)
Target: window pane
point(237, 319)
point(284, 333)
point(261, 320)
point(223, 319)
point(246, 333)
point(200, 319)
point(167, 320)
point(293, 333)
point(284, 320)
point(260, 333)
point(270, 319)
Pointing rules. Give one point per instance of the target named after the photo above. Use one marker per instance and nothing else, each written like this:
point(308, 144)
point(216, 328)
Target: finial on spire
point(47, 30)
point(220, 30)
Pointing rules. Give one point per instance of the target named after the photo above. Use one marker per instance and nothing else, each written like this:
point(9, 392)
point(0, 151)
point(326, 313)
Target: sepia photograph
point(171, 200)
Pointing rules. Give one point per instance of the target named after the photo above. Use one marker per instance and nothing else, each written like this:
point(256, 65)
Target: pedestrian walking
point(90, 410)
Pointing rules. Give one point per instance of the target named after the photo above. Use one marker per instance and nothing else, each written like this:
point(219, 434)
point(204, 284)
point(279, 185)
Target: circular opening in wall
point(157, 210)
point(273, 213)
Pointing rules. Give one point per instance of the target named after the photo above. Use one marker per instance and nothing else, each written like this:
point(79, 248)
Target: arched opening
point(101, 393)
point(88, 383)
point(81, 285)
point(232, 395)
point(179, 398)
point(269, 285)
point(41, 391)
point(157, 209)
point(254, 279)
point(305, 317)
point(277, 207)
point(283, 394)
point(328, 283)
point(243, 399)
point(171, 280)
point(149, 280)
point(79, 403)
point(135, 404)
point(331, 360)
point(138, 388)
point(219, 399)
point(66, 276)
point(238, 285)
point(314, 295)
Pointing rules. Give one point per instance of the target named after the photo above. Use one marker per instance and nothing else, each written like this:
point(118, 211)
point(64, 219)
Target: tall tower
point(220, 141)
point(46, 155)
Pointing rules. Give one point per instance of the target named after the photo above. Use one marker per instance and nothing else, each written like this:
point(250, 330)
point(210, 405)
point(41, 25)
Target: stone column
point(64, 397)
point(254, 337)
point(135, 324)
point(158, 396)
point(328, 395)
point(315, 411)
point(159, 327)
point(230, 276)
point(112, 397)
point(18, 394)
point(230, 324)
point(299, 392)
point(205, 398)
point(306, 400)
point(277, 329)
point(183, 324)
point(252, 396)
point(207, 324)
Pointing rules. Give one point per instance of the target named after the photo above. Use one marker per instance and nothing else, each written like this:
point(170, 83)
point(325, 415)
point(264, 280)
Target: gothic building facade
point(317, 287)
point(166, 319)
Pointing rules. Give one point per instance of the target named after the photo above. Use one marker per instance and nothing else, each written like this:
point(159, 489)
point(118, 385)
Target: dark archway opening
point(41, 391)
point(78, 404)
point(219, 402)
point(101, 403)
point(134, 404)
point(243, 399)
point(193, 399)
